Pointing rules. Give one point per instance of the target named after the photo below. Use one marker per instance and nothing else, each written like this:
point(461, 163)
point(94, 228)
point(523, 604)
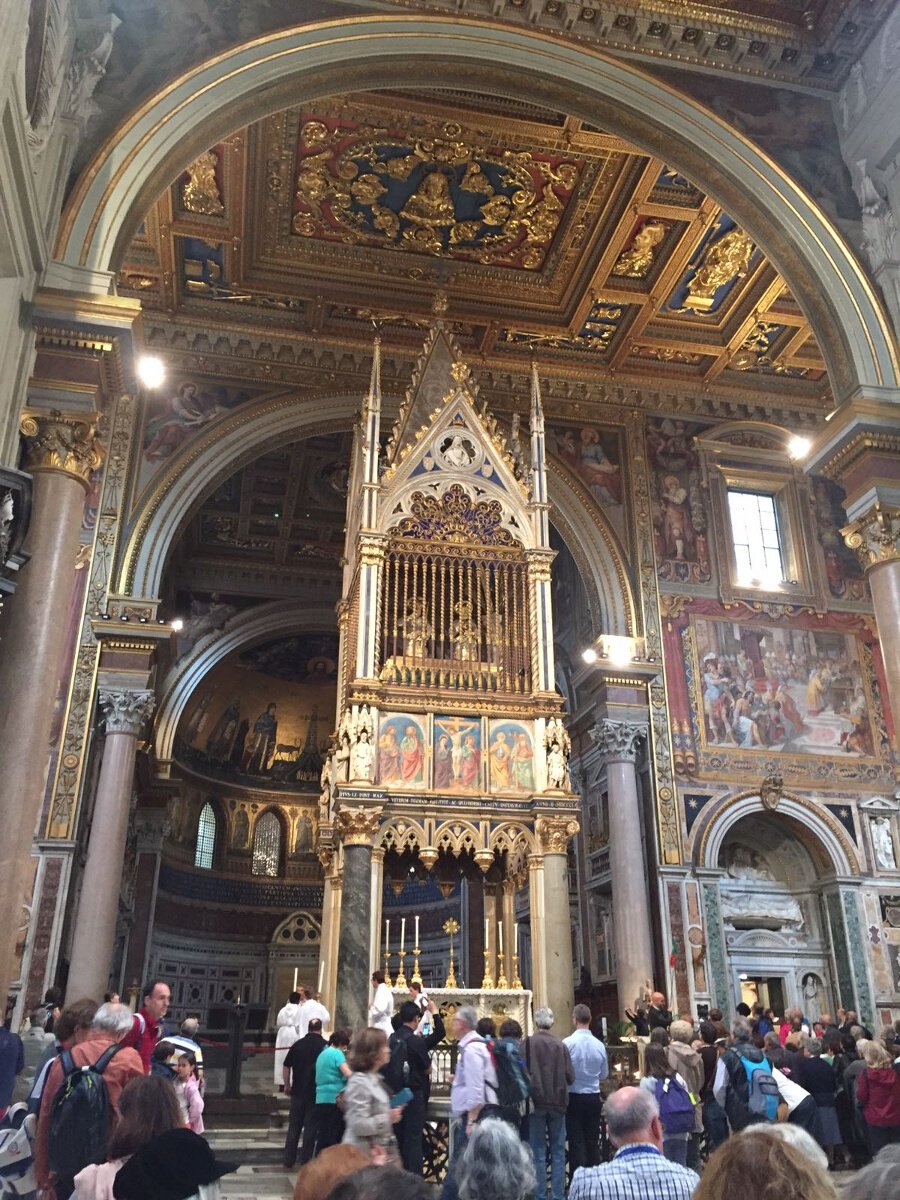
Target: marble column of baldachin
point(358, 827)
point(126, 713)
point(60, 452)
point(551, 920)
point(619, 743)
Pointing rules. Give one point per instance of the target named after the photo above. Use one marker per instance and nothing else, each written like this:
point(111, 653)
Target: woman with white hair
point(496, 1164)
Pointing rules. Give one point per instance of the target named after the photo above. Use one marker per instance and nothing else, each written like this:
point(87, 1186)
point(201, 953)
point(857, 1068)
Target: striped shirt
point(638, 1172)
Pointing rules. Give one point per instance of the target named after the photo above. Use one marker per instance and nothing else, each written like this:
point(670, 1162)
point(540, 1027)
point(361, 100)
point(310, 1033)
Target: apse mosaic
point(443, 193)
point(262, 718)
point(773, 688)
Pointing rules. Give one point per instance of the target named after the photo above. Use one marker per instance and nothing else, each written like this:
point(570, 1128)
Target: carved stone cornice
point(358, 826)
point(875, 536)
point(618, 741)
point(554, 833)
point(126, 711)
point(56, 441)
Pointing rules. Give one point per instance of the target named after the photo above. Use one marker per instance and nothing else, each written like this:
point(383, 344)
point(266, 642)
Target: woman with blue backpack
point(676, 1104)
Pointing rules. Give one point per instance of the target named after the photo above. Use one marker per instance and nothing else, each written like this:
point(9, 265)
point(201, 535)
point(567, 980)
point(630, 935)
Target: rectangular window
point(758, 553)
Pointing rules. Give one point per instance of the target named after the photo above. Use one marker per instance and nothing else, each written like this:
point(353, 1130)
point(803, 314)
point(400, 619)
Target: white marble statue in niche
point(753, 898)
point(883, 843)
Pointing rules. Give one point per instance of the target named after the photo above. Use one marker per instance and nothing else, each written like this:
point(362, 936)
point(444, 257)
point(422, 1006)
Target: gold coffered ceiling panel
point(543, 233)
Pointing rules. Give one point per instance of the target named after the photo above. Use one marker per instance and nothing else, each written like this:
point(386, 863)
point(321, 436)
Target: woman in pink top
point(147, 1108)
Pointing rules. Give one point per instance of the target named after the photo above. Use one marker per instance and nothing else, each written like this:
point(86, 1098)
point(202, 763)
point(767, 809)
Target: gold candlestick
point(450, 927)
point(387, 963)
point(517, 982)
point(416, 977)
point(401, 973)
point(488, 981)
point(502, 983)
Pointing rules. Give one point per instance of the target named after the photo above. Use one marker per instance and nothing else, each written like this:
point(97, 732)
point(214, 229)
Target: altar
point(500, 1005)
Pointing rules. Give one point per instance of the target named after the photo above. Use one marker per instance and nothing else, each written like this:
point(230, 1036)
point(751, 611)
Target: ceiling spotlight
point(589, 655)
point(799, 447)
point(151, 370)
point(177, 624)
point(619, 650)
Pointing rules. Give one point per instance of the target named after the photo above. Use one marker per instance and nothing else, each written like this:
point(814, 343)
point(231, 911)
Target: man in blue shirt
point(640, 1168)
point(588, 1055)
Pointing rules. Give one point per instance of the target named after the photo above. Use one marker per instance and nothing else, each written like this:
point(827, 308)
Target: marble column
point(875, 537)
point(619, 743)
point(357, 827)
point(126, 712)
point(475, 933)
point(551, 947)
point(60, 453)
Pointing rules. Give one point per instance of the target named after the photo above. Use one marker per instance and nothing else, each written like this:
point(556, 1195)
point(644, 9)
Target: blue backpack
point(676, 1108)
point(763, 1096)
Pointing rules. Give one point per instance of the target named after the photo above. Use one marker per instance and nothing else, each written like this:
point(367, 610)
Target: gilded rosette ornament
point(201, 191)
point(875, 537)
point(619, 741)
point(554, 833)
point(358, 826)
point(126, 711)
point(56, 441)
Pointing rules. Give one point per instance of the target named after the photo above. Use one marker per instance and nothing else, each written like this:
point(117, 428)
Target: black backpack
point(396, 1070)
point(80, 1116)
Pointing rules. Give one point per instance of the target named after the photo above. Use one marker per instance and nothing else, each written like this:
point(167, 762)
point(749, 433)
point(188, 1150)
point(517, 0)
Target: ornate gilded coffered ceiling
point(543, 233)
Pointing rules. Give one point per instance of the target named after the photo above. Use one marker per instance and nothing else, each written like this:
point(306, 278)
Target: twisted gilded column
point(619, 743)
point(551, 922)
point(875, 539)
point(126, 712)
point(60, 452)
point(358, 828)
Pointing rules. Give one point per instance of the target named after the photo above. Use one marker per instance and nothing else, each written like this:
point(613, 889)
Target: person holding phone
point(368, 1113)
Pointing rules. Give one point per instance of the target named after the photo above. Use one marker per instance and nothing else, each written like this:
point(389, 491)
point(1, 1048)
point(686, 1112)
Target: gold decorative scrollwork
point(725, 259)
point(443, 193)
point(358, 826)
point(201, 192)
point(554, 833)
point(875, 536)
point(56, 441)
point(636, 261)
point(455, 518)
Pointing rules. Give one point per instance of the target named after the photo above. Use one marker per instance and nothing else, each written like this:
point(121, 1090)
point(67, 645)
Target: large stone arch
point(817, 829)
point(245, 629)
point(246, 433)
point(156, 142)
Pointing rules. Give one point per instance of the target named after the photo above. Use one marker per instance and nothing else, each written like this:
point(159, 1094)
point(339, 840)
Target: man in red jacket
point(145, 1028)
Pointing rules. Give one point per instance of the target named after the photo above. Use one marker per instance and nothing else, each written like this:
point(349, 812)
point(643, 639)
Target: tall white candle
point(387, 936)
point(321, 974)
point(500, 936)
point(402, 934)
point(487, 933)
point(294, 988)
point(417, 929)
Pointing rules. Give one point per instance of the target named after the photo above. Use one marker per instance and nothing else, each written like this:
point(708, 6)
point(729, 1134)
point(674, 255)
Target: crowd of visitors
point(115, 1110)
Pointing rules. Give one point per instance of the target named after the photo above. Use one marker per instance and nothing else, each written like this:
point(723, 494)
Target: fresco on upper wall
point(178, 413)
point(456, 754)
point(594, 455)
point(680, 513)
point(511, 756)
point(774, 688)
point(846, 578)
point(401, 751)
point(262, 717)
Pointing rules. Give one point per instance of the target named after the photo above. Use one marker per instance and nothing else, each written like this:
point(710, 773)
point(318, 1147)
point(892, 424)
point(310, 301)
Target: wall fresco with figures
point(593, 454)
point(679, 502)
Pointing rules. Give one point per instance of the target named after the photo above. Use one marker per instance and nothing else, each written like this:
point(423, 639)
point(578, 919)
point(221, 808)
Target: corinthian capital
point(126, 711)
point(619, 741)
point(56, 441)
point(358, 826)
point(875, 536)
point(553, 833)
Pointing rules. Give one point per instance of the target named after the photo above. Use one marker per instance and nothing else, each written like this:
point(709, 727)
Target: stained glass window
point(756, 539)
point(206, 838)
point(266, 845)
